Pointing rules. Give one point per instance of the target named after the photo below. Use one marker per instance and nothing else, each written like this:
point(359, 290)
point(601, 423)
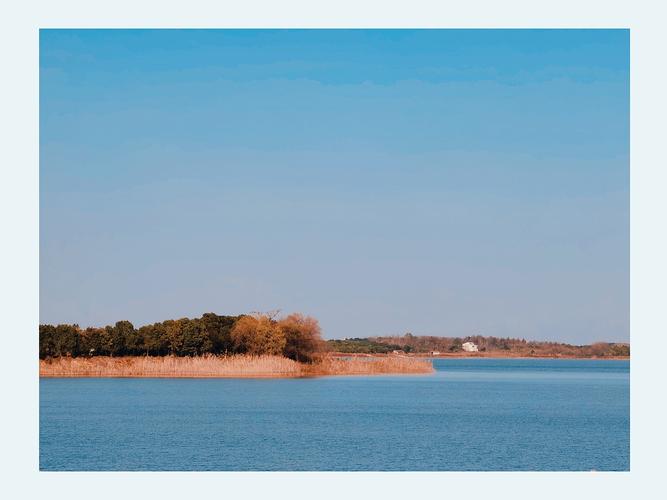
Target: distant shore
point(473, 355)
point(237, 366)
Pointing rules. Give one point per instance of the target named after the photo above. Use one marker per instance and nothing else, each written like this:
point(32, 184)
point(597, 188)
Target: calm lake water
point(472, 414)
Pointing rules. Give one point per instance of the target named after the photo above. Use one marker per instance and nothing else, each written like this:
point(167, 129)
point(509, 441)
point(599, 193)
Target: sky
point(438, 182)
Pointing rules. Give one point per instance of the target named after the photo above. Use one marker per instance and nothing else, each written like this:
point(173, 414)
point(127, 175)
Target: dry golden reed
point(369, 366)
point(168, 366)
point(238, 366)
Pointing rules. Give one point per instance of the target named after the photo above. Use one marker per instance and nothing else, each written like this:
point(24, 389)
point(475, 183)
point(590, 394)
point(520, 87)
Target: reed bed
point(168, 366)
point(238, 366)
point(370, 366)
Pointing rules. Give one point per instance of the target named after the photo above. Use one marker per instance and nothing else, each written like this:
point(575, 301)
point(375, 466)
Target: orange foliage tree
point(302, 337)
point(257, 334)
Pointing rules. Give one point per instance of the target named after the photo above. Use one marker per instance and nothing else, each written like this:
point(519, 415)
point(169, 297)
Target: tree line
point(424, 344)
point(295, 336)
point(365, 346)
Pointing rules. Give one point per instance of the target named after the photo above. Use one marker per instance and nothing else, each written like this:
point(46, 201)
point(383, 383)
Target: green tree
point(47, 346)
point(217, 329)
point(134, 340)
point(173, 336)
point(92, 342)
point(154, 339)
point(121, 332)
point(66, 340)
point(195, 339)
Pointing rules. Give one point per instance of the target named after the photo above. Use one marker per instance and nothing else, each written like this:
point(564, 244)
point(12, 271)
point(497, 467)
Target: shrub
point(302, 337)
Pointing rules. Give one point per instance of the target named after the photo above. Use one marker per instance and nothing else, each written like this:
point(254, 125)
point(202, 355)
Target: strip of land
point(477, 346)
point(488, 355)
point(237, 366)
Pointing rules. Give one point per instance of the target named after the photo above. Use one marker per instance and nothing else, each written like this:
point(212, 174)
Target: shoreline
point(237, 366)
point(477, 355)
point(263, 367)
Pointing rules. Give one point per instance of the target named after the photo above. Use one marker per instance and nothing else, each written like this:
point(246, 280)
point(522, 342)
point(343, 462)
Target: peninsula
point(264, 346)
point(246, 346)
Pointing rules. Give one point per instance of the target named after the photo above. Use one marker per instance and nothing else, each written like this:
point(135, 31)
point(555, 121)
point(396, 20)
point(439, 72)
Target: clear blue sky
point(450, 182)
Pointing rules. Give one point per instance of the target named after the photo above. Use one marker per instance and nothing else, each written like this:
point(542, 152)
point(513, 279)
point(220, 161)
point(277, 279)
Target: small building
point(435, 353)
point(469, 347)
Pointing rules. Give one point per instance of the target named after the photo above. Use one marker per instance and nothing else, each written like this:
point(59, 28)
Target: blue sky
point(441, 182)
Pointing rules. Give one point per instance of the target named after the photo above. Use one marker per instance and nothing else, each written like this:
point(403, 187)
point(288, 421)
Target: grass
point(238, 366)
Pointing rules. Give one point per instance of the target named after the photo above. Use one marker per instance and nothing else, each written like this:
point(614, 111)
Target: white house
point(469, 347)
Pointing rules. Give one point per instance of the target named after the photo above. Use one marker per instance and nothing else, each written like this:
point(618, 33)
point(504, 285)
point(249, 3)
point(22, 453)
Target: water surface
point(472, 414)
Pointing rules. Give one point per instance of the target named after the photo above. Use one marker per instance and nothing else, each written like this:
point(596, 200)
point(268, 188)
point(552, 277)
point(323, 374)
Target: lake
point(471, 415)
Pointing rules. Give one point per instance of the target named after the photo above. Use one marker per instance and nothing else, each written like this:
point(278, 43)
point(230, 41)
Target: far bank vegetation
point(488, 346)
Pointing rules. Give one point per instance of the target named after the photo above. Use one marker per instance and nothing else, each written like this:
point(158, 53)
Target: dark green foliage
point(363, 346)
point(66, 340)
point(47, 334)
point(155, 340)
point(195, 339)
point(210, 334)
point(93, 342)
point(118, 338)
point(182, 337)
point(217, 328)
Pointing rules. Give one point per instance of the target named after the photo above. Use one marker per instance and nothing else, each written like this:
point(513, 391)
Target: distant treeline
point(296, 336)
point(424, 344)
point(365, 346)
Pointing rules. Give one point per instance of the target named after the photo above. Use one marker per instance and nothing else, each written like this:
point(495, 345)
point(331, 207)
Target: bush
point(302, 337)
